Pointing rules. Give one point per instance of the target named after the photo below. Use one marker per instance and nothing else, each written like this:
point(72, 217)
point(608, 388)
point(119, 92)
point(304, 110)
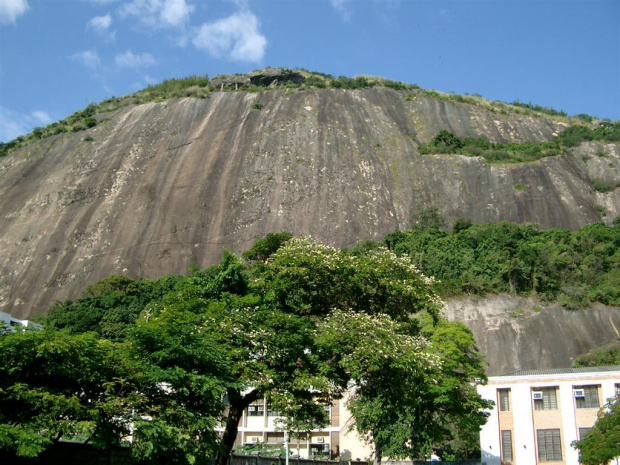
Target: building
point(9, 323)
point(539, 413)
point(258, 426)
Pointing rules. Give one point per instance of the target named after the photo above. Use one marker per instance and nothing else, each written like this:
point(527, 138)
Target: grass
point(200, 87)
point(605, 187)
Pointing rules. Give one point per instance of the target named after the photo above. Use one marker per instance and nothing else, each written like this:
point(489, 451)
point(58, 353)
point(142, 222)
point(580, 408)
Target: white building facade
point(259, 426)
point(539, 413)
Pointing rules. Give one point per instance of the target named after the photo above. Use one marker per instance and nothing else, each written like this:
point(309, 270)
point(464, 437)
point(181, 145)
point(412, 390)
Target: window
point(507, 445)
point(272, 413)
point(549, 399)
point(504, 400)
point(256, 410)
point(590, 398)
point(583, 432)
point(319, 449)
point(549, 446)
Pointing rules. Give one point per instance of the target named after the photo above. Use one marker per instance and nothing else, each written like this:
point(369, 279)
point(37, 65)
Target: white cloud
point(134, 61)
point(236, 37)
point(100, 23)
point(342, 7)
point(11, 9)
point(41, 117)
point(176, 12)
point(158, 13)
point(88, 58)
point(101, 26)
point(14, 124)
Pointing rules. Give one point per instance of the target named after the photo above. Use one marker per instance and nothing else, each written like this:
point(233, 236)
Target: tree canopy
point(300, 325)
point(572, 267)
point(602, 443)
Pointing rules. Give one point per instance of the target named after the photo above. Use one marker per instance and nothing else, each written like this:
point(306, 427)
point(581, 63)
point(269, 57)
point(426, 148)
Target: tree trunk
point(238, 403)
point(377, 456)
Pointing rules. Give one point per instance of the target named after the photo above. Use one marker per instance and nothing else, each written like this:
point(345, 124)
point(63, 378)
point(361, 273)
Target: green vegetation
point(299, 324)
point(200, 86)
point(519, 152)
point(602, 443)
point(547, 110)
point(604, 187)
point(192, 86)
point(608, 355)
point(572, 267)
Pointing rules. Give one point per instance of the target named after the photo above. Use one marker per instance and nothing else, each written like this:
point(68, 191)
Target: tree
point(413, 381)
point(54, 385)
point(163, 387)
point(295, 329)
point(267, 246)
point(458, 410)
point(187, 374)
point(429, 218)
point(273, 341)
point(609, 354)
point(390, 370)
point(602, 443)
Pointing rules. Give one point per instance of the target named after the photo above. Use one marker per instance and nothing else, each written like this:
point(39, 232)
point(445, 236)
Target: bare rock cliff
point(161, 185)
point(523, 334)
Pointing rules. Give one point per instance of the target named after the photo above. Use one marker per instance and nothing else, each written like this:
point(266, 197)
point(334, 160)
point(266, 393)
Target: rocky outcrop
point(273, 77)
point(523, 334)
point(162, 185)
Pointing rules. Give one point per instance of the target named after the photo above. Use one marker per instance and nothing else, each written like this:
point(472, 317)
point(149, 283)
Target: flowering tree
point(280, 345)
point(298, 328)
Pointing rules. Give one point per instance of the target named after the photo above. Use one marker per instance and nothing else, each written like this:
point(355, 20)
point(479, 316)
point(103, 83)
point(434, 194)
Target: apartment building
point(259, 425)
point(539, 413)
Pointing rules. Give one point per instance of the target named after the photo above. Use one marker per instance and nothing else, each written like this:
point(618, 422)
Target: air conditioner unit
point(579, 392)
point(320, 440)
point(254, 440)
point(537, 395)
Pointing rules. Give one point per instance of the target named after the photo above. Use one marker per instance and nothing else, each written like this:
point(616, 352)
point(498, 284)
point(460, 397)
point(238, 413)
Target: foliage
point(392, 371)
point(602, 443)
point(110, 306)
point(608, 355)
point(54, 385)
point(429, 218)
point(267, 246)
point(196, 86)
point(518, 152)
point(459, 411)
point(541, 109)
point(292, 327)
point(191, 373)
point(575, 267)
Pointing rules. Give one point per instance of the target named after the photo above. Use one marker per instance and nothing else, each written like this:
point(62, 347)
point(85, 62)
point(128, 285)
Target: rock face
point(522, 334)
point(162, 185)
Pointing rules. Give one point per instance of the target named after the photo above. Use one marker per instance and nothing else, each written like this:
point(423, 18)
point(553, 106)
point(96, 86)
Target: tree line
point(172, 363)
point(574, 268)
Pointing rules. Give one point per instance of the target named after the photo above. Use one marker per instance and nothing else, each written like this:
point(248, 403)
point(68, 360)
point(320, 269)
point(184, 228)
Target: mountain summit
point(148, 184)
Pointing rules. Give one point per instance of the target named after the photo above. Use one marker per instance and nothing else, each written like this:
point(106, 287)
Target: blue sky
point(57, 56)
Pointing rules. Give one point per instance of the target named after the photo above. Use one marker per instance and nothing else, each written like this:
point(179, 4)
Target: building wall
point(334, 440)
point(524, 420)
